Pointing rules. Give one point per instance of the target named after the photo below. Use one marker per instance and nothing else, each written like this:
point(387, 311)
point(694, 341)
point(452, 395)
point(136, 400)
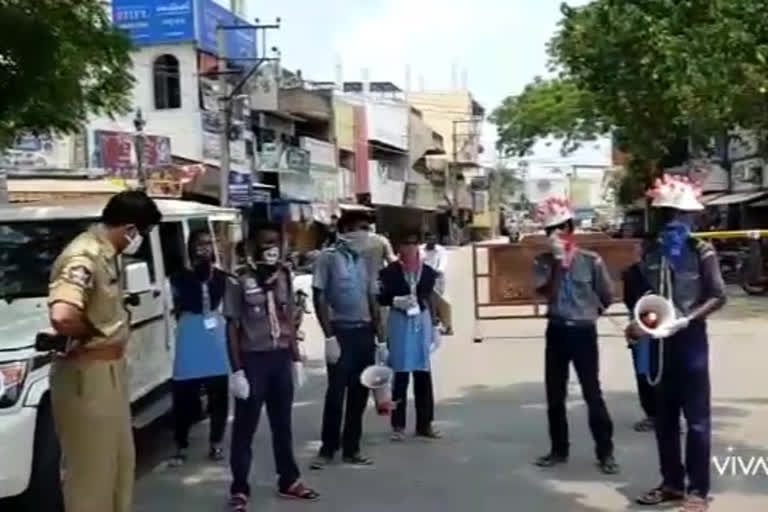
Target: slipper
point(659, 496)
point(646, 425)
point(430, 433)
point(238, 503)
point(550, 460)
point(299, 491)
point(397, 436)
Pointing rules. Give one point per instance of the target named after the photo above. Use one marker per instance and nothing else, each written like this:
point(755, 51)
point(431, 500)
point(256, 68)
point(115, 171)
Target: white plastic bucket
point(657, 305)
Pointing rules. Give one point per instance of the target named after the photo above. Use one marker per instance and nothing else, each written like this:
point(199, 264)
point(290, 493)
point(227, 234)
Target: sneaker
point(551, 460)
point(179, 459)
point(320, 462)
point(216, 453)
point(646, 425)
point(238, 503)
point(357, 460)
point(608, 465)
point(398, 436)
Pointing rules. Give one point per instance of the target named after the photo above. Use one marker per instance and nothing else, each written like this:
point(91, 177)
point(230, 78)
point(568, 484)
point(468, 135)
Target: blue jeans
point(269, 375)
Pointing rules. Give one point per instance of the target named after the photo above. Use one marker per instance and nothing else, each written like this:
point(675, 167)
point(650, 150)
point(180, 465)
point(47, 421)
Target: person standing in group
point(345, 303)
point(262, 325)
point(407, 288)
point(578, 288)
point(88, 381)
point(436, 257)
point(685, 271)
point(201, 347)
point(635, 286)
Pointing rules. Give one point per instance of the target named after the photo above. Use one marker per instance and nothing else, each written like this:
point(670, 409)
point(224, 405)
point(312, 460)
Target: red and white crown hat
point(554, 211)
point(677, 192)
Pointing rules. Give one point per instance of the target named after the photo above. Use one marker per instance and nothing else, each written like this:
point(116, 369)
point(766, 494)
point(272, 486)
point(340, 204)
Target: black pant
point(358, 347)
point(271, 381)
point(187, 407)
point(579, 345)
point(423, 396)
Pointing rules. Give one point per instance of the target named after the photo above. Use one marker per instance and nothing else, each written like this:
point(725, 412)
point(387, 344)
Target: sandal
point(357, 460)
point(551, 460)
point(695, 503)
point(659, 496)
point(646, 425)
point(299, 491)
point(238, 503)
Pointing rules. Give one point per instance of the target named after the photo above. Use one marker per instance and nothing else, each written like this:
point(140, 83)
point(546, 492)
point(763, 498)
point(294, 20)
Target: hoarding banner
point(155, 21)
point(240, 44)
point(115, 152)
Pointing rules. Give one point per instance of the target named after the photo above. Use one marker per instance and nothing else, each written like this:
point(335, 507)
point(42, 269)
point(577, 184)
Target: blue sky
point(500, 43)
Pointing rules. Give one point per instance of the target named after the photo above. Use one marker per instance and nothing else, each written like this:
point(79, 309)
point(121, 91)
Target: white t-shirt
point(436, 258)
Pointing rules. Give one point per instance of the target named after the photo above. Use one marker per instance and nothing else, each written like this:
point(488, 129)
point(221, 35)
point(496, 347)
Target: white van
point(31, 237)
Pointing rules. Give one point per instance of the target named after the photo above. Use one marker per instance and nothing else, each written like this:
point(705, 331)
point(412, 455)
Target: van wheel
point(44, 490)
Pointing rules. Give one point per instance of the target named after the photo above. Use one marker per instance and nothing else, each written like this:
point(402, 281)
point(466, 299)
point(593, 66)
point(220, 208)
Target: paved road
point(491, 407)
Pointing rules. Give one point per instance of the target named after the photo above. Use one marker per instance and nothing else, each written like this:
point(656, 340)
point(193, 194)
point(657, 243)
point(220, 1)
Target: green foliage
point(546, 107)
point(60, 60)
point(657, 71)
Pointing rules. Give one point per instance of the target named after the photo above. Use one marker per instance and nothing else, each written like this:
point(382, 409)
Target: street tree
point(660, 74)
point(60, 60)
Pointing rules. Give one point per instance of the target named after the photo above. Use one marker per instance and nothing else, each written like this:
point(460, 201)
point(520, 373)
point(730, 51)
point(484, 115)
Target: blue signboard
point(155, 21)
point(240, 189)
point(239, 43)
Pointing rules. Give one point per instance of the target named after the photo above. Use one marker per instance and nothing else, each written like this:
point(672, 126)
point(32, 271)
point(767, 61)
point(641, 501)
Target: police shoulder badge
point(80, 275)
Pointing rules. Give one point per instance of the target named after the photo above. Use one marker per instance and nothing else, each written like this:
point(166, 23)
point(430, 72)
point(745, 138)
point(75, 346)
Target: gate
point(504, 288)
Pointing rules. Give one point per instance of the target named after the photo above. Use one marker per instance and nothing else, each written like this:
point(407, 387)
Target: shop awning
point(763, 203)
point(352, 207)
point(737, 198)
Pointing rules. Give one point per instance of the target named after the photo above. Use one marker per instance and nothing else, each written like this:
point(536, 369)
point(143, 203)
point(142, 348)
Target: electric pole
point(139, 123)
point(227, 97)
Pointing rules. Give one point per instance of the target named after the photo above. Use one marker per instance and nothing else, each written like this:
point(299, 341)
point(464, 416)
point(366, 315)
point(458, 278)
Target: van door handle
point(156, 293)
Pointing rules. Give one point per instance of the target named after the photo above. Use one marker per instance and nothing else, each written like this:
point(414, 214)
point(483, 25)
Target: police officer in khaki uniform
point(89, 387)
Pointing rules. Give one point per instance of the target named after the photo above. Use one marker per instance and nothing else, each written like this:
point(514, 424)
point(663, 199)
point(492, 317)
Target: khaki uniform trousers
point(91, 409)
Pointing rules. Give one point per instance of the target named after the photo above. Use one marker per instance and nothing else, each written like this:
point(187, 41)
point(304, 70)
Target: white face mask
point(271, 255)
point(134, 244)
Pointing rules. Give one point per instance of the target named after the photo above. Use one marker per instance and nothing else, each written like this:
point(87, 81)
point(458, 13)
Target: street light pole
point(139, 123)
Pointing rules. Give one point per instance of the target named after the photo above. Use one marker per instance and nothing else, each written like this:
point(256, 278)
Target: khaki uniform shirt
point(85, 275)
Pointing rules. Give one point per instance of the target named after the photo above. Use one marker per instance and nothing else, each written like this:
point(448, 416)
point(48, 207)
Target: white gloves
point(672, 328)
point(557, 245)
point(332, 350)
point(382, 353)
point(299, 376)
point(437, 338)
point(238, 385)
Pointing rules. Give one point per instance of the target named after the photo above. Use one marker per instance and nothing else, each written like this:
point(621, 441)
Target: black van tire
point(44, 489)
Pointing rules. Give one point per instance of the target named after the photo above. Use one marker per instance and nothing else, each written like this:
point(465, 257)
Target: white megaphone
point(378, 378)
point(653, 313)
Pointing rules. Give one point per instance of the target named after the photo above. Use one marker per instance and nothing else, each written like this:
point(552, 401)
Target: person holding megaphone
point(578, 288)
point(685, 287)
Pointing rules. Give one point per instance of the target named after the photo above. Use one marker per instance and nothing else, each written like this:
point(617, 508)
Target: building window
point(167, 80)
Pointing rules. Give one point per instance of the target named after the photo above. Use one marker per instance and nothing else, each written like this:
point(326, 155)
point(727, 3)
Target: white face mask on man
point(134, 244)
point(271, 255)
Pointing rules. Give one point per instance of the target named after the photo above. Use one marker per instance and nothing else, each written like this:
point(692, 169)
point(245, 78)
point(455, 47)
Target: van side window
point(198, 224)
point(174, 248)
point(144, 254)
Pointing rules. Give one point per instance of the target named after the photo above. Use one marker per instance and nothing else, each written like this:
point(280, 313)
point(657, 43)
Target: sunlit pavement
point(491, 408)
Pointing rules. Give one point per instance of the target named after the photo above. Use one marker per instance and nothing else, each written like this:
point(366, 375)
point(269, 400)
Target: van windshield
point(27, 252)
